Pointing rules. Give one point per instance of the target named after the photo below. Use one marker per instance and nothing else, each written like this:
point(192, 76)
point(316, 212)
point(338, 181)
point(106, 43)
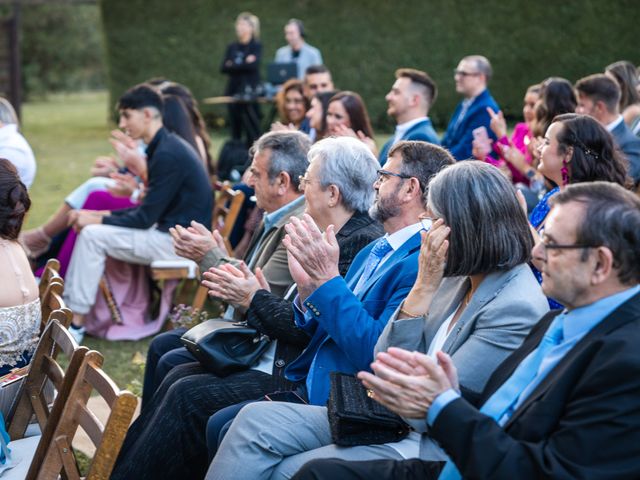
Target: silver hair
point(489, 230)
point(288, 154)
point(7, 113)
point(348, 164)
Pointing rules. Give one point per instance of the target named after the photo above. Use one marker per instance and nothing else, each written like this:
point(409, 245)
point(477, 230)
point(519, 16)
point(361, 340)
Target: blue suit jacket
point(422, 131)
point(458, 140)
point(345, 327)
point(630, 146)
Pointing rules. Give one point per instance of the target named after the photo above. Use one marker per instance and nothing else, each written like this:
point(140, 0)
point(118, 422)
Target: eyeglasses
point(547, 245)
point(303, 182)
point(383, 174)
point(462, 73)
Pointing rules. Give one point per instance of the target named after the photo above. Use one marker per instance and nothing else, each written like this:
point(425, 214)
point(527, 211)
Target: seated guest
point(564, 405)
point(409, 100)
point(178, 191)
point(576, 149)
point(317, 79)
point(19, 300)
point(292, 106)
point(474, 298)
point(317, 114)
point(521, 139)
point(338, 193)
point(297, 49)
point(13, 146)
point(347, 115)
point(472, 76)
point(599, 97)
point(279, 160)
point(626, 75)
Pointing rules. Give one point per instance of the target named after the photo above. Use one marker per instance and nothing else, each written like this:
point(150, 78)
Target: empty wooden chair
point(54, 456)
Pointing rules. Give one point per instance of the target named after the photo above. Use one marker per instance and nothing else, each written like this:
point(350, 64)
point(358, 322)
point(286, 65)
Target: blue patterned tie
point(378, 252)
point(504, 400)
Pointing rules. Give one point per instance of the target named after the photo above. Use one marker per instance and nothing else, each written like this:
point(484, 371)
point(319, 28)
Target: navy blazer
point(630, 146)
point(581, 421)
point(345, 327)
point(422, 131)
point(458, 140)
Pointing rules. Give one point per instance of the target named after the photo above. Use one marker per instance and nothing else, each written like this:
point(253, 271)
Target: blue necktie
point(378, 252)
point(504, 400)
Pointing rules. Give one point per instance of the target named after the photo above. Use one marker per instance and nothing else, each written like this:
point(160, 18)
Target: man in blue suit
point(345, 316)
point(408, 102)
point(599, 97)
point(471, 76)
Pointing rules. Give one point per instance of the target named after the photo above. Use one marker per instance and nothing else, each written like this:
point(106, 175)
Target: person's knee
point(164, 343)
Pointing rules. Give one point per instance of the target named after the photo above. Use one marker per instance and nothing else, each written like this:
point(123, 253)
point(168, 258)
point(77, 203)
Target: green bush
point(61, 48)
point(364, 42)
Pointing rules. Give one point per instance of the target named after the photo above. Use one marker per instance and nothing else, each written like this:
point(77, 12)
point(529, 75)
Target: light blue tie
point(378, 252)
point(503, 400)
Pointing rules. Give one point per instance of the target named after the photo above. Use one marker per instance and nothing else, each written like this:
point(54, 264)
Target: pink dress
point(519, 139)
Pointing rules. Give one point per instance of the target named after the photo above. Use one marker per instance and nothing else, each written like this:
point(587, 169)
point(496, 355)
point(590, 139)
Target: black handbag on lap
point(357, 419)
point(224, 347)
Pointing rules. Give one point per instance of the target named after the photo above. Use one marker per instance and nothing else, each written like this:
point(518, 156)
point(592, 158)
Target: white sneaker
point(77, 333)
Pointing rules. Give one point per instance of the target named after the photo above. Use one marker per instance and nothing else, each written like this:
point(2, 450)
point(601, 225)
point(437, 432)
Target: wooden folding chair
point(55, 450)
point(51, 272)
point(44, 369)
point(225, 213)
point(52, 305)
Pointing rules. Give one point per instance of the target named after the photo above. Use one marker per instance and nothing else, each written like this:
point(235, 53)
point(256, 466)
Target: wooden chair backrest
point(44, 370)
point(225, 210)
point(58, 458)
point(51, 301)
point(50, 272)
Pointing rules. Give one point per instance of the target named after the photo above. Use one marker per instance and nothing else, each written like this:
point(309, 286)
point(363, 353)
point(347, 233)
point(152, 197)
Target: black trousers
point(333, 468)
point(168, 440)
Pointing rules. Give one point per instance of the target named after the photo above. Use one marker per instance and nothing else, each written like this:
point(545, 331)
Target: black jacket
point(581, 421)
point(178, 189)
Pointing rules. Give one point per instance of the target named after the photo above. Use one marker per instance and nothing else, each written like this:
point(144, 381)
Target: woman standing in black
point(242, 63)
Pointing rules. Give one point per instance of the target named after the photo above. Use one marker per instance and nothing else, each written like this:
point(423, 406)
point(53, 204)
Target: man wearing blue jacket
point(472, 77)
point(409, 101)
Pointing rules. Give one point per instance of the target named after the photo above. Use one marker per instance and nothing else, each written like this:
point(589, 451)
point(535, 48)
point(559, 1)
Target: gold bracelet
point(408, 314)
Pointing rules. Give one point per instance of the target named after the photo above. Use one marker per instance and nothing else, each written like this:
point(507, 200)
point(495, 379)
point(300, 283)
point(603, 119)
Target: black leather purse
point(357, 419)
point(224, 347)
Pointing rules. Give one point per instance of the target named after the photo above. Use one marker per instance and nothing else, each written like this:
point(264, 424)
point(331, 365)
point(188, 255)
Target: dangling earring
point(565, 173)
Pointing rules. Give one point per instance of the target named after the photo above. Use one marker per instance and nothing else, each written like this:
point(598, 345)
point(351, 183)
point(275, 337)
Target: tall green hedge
point(364, 42)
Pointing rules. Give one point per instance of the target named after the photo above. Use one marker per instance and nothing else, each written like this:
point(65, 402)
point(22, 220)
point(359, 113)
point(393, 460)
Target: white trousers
point(90, 252)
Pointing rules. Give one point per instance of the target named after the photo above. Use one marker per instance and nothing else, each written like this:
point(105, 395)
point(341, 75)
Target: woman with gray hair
point(475, 298)
point(338, 188)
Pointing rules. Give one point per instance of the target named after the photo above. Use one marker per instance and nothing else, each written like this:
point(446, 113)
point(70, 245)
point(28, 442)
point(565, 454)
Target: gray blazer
point(496, 321)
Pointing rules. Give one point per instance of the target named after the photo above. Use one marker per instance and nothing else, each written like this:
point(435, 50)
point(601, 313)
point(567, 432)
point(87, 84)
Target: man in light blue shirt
point(564, 405)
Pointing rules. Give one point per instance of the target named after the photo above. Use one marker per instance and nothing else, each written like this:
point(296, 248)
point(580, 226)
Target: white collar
point(401, 128)
point(397, 239)
point(611, 126)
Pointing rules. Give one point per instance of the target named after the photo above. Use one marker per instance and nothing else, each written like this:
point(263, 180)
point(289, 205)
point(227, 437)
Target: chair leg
point(200, 297)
